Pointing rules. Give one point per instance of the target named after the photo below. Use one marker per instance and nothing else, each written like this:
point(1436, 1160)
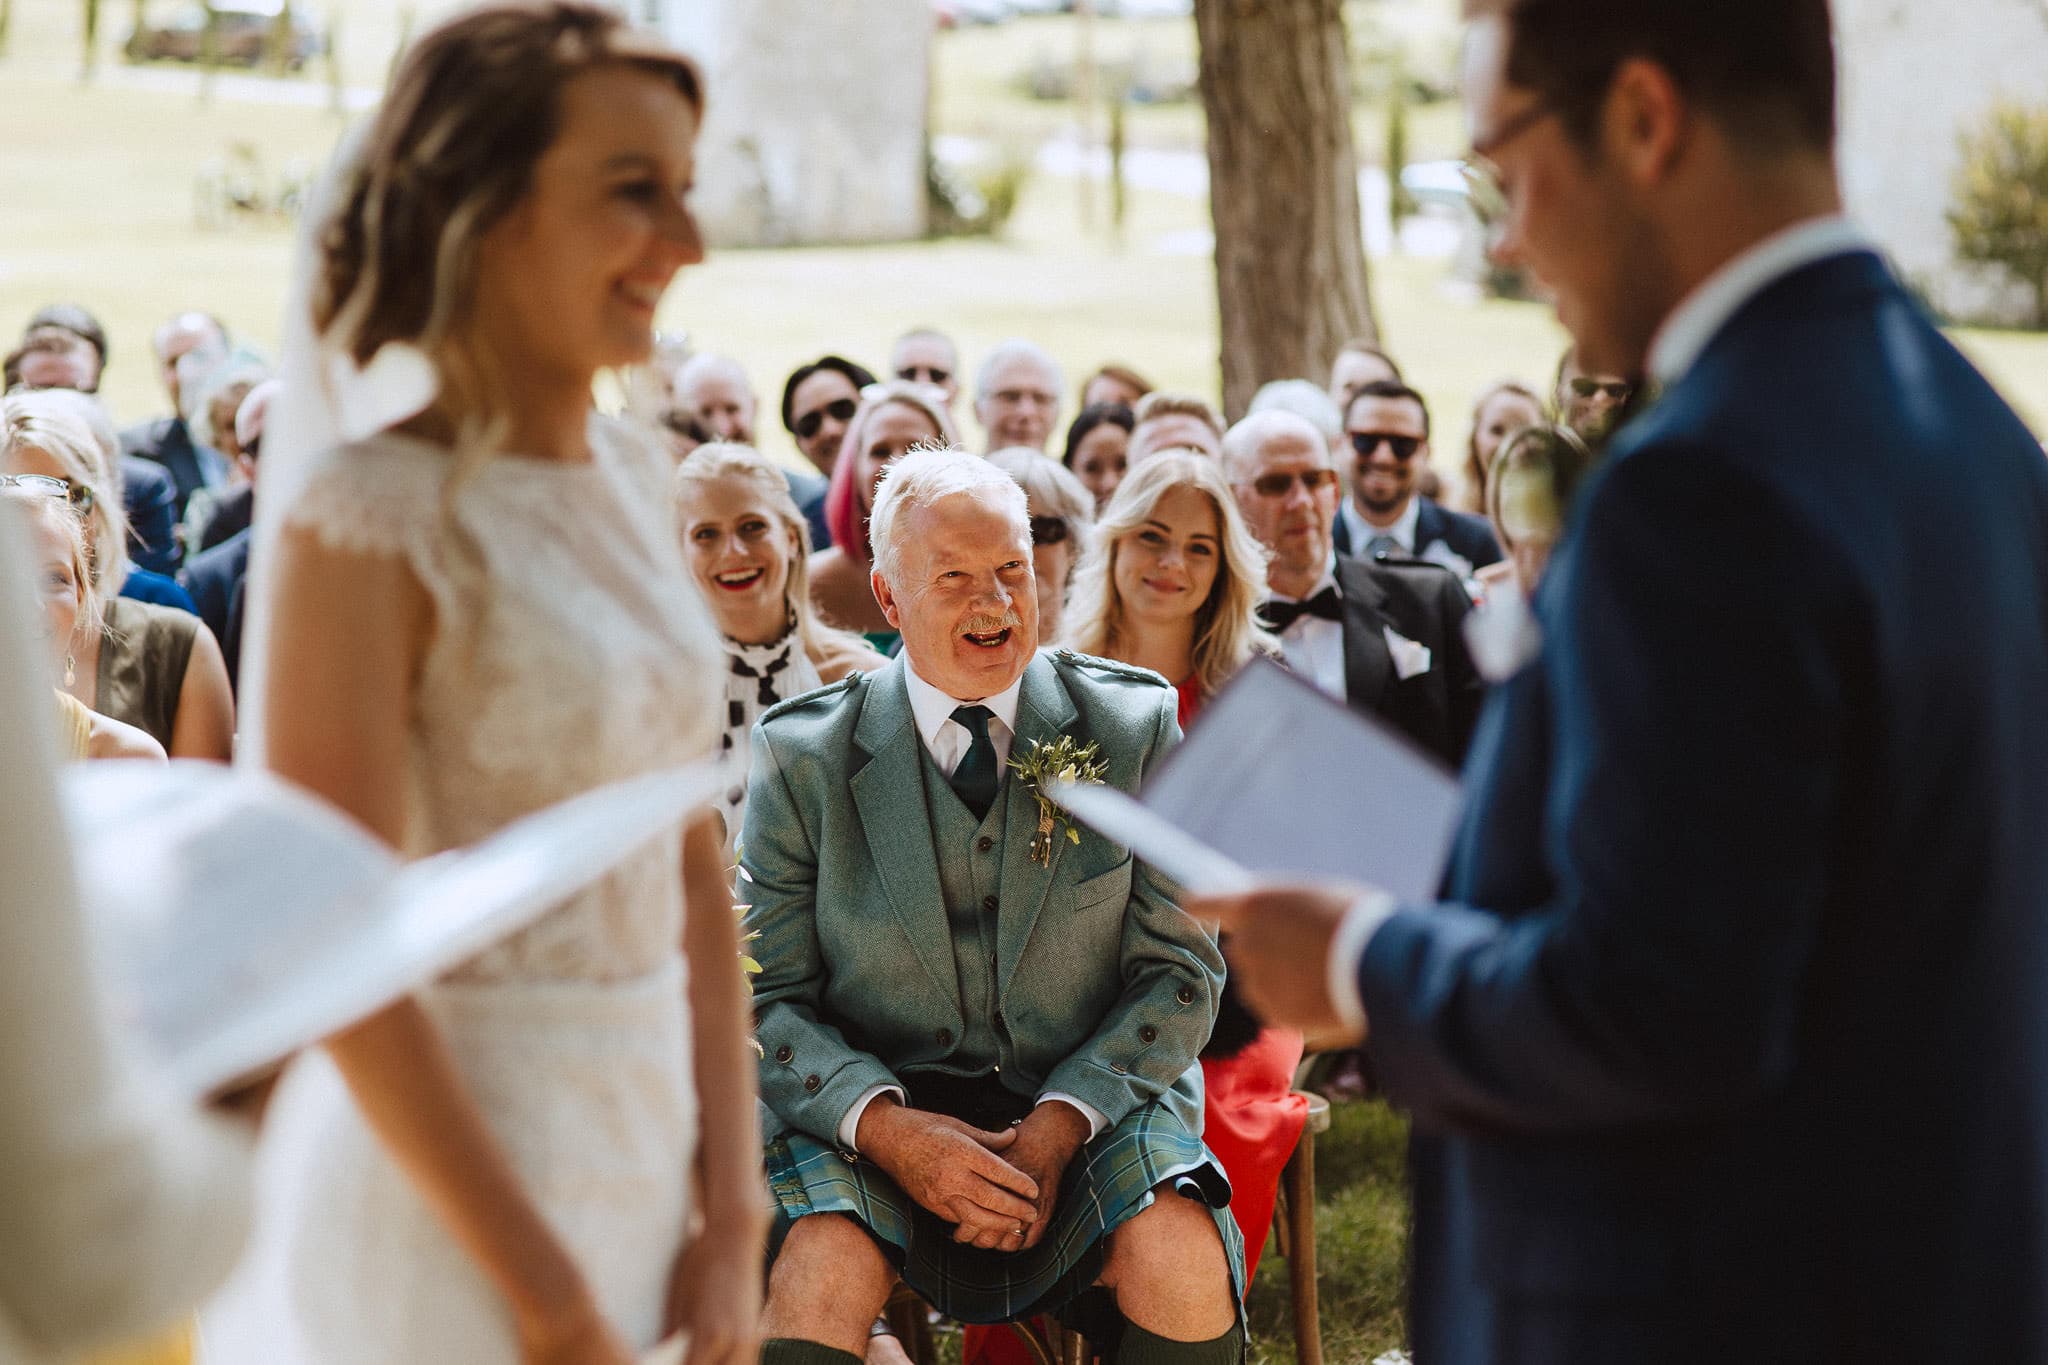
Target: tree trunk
point(1291, 281)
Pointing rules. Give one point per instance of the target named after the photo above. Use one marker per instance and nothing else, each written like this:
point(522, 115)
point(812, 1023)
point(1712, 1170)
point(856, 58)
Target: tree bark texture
point(1291, 282)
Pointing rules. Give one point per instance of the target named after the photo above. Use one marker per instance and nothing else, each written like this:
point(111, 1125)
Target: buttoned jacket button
point(1186, 995)
point(988, 903)
point(784, 1053)
point(1148, 1034)
point(984, 843)
point(811, 1084)
point(945, 1037)
point(1117, 1067)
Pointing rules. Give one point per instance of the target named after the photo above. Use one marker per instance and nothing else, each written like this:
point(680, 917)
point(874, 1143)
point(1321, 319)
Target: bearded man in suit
point(979, 1056)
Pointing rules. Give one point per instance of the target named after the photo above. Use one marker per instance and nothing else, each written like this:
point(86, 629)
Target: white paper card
point(239, 918)
point(1279, 781)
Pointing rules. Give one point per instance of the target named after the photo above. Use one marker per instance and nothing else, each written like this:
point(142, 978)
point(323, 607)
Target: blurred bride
point(475, 609)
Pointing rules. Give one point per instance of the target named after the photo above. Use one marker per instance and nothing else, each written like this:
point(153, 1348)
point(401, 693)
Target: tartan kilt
point(1109, 1182)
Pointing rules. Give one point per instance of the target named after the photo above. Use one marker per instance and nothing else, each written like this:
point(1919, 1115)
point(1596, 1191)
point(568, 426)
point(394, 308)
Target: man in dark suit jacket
point(214, 577)
point(1733, 1035)
point(1384, 635)
point(1386, 428)
point(167, 441)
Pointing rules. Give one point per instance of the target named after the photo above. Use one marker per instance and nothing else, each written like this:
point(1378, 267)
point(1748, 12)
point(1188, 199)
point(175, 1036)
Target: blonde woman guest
point(1501, 411)
point(152, 667)
point(1173, 582)
point(70, 612)
point(474, 613)
point(1062, 517)
point(893, 416)
point(747, 547)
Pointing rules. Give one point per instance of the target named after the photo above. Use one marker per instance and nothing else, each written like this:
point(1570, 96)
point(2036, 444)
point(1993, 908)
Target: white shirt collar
point(1702, 313)
point(933, 709)
point(1362, 531)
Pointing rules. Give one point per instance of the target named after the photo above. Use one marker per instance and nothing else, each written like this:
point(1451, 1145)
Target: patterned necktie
point(974, 781)
point(1385, 545)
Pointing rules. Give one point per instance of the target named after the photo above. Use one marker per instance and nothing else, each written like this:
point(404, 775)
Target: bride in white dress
point(473, 609)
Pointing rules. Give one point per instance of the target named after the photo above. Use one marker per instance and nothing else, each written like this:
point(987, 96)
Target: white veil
point(325, 400)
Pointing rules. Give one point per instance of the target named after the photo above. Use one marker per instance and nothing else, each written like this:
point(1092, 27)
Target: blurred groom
point(980, 1068)
point(1731, 1040)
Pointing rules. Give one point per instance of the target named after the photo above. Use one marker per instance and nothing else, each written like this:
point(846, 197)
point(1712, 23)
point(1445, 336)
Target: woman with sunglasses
point(154, 667)
point(1062, 515)
point(892, 417)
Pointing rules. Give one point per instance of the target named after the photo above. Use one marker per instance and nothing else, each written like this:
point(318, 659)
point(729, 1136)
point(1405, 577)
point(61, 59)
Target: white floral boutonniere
point(1064, 761)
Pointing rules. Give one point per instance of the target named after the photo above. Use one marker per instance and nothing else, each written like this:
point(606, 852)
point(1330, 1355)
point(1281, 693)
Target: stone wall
point(816, 128)
point(1915, 75)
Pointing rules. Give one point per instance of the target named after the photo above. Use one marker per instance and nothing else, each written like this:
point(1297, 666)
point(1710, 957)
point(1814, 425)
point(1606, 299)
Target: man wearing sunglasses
point(818, 404)
point(1729, 1037)
point(1386, 437)
point(1593, 405)
point(925, 355)
point(1385, 636)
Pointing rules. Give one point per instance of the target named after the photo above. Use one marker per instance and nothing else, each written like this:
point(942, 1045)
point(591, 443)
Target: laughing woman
point(747, 546)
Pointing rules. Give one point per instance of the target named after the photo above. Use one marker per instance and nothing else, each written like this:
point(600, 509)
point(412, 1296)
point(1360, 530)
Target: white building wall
point(1915, 75)
point(816, 126)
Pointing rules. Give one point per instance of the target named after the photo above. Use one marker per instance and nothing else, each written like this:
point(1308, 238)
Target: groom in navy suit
point(1730, 1038)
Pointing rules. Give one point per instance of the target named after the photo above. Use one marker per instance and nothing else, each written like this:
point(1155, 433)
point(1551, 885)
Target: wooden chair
point(1294, 1237)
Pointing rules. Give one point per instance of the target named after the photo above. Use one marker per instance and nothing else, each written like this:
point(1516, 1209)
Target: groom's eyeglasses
point(839, 410)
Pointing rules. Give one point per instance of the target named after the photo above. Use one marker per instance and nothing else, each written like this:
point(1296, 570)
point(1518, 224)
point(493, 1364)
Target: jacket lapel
point(889, 794)
point(1367, 663)
point(1430, 526)
point(1044, 713)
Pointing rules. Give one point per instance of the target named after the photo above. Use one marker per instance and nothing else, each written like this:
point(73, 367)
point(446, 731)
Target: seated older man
point(979, 1045)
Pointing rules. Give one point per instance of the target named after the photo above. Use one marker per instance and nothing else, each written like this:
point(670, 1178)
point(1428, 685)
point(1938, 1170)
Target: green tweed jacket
point(1104, 990)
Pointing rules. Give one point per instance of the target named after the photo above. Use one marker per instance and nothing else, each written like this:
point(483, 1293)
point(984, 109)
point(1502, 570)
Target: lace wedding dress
point(568, 649)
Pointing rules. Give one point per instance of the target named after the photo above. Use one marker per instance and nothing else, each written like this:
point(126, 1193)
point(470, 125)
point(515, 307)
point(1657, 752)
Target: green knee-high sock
point(1140, 1347)
point(791, 1351)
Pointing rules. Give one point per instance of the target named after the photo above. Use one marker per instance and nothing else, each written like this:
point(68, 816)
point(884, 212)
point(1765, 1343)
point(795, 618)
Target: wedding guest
point(1174, 421)
point(818, 402)
point(1590, 404)
point(124, 1206)
point(215, 577)
point(1501, 411)
point(1009, 1026)
point(152, 666)
point(1383, 635)
point(747, 547)
point(717, 389)
point(894, 417)
point(479, 611)
point(186, 347)
point(213, 514)
point(925, 355)
point(74, 327)
point(1114, 383)
point(1017, 395)
point(1387, 513)
point(71, 611)
point(1535, 477)
point(1062, 517)
point(1358, 363)
point(1098, 448)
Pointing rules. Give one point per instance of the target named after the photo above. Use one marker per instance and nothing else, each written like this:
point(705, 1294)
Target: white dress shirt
point(947, 741)
point(1681, 340)
point(1314, 646)
point(1362, 531)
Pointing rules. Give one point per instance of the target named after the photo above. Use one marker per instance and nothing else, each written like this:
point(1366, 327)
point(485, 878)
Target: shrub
point(2000, 216)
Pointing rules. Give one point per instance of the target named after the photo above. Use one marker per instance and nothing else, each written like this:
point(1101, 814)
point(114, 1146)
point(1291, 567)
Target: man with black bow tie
point(1384, 636)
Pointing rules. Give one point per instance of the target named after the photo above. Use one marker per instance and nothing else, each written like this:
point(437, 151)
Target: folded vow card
point(1276, 781)
point(238, 918)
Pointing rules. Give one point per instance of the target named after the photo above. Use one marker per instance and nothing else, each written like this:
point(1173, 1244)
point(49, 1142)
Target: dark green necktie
point(974, 781)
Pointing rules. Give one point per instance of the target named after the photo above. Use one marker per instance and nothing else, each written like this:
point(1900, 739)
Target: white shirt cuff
point(850, 1125)
point(1347, 948)
point(1097, 1120)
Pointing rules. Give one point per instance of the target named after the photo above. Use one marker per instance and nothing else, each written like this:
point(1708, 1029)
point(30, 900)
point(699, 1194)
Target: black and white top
point(757, 677)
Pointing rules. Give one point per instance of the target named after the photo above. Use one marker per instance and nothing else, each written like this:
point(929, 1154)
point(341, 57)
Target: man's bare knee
point(828, 1284)
point(1170, 1272)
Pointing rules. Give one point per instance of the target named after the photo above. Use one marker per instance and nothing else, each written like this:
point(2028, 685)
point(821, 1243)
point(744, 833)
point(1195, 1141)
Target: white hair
point(920, 478)
point(1242, 443)
point(1303, 399)
point(1050, 488)
point(1016, 348)
point(705, 365)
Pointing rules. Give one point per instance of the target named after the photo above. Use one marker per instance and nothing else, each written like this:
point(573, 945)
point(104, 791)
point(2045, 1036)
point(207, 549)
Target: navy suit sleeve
point(1695, 632)
point(151, 504)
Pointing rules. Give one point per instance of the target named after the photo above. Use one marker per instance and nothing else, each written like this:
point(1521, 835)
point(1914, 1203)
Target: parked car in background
point(242, 34)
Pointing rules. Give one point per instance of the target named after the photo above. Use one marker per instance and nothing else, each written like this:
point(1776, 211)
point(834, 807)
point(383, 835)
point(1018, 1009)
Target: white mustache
point(989, 625)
